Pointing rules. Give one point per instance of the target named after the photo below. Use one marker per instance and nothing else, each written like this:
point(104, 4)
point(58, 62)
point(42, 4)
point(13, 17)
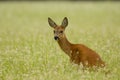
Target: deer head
point(58, 30)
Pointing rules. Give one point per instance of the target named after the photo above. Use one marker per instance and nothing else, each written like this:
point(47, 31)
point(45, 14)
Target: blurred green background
point(29, 52)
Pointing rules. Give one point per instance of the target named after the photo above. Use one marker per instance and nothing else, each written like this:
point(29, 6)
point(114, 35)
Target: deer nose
point(56, 38)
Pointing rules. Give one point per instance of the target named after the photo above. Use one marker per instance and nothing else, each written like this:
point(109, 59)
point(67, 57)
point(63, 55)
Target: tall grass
point(29, 52)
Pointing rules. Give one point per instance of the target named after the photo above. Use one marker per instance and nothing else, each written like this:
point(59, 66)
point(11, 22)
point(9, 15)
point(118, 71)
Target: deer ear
point(64, 22)
point(52, 23)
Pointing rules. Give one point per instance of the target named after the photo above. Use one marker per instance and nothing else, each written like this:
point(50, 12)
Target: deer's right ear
point(52, 23)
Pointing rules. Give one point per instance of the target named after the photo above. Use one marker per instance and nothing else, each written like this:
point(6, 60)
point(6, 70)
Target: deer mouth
point(56, 38)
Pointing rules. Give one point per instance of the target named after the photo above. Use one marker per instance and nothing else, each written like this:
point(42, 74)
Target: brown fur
point(78, 53)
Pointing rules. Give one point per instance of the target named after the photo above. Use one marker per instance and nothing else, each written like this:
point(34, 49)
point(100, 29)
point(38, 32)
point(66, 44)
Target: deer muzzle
point(56, 37)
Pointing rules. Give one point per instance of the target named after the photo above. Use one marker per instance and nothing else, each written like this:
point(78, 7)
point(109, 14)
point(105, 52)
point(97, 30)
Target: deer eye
point(54, 31)
point(61, 31)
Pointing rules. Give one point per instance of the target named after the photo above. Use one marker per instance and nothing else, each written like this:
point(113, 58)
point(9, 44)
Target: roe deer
point(78, 53)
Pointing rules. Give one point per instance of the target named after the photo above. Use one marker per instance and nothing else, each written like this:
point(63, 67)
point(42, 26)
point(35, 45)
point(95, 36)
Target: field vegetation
point(29, 52)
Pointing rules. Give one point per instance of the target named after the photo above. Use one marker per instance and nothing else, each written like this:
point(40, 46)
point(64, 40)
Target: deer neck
point(65, 45)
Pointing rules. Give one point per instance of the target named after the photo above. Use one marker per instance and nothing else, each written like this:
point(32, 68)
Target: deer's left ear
point(52, 23)
point(64, 22)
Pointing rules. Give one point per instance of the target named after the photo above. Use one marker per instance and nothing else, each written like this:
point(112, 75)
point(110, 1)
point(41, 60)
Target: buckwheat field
point(28, 50)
